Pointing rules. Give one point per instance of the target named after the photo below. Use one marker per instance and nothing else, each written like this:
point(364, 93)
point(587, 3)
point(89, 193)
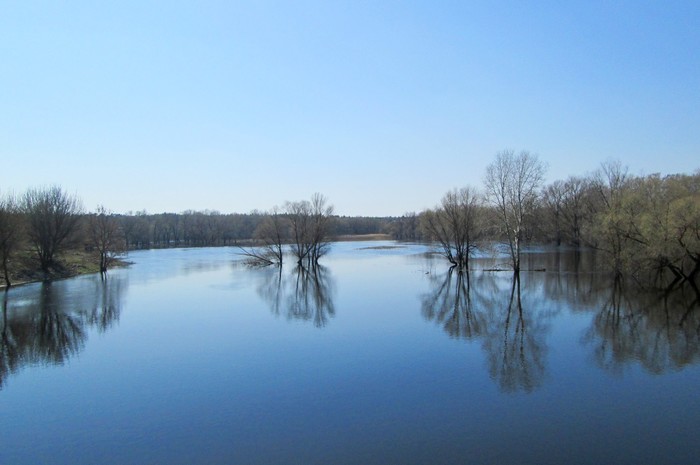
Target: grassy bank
point(363, 237)
point(25, 267)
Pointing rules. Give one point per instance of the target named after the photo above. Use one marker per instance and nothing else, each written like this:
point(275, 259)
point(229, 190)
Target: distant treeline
point(210, 228)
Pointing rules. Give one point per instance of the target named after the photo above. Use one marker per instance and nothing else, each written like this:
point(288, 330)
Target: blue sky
point(380, 106)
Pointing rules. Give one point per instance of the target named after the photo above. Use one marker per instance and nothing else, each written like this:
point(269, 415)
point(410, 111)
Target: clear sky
point(380, 106)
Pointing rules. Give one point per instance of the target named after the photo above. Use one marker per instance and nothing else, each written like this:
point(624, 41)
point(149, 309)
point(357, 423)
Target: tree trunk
point(7, 274)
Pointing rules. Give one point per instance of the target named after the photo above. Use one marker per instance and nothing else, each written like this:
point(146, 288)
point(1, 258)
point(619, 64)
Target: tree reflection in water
point(106, 306)
point(515, 342)
point(303, 294)
point(46, 325)
point(450, 303)
point(630, 326)
point(513, 334)
point(9, 351)
point(58, 332)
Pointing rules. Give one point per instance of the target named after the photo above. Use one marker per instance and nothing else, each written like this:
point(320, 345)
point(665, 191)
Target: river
point(381, 355)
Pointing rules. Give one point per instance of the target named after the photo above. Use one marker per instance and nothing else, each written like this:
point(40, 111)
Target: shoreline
point(78, 263)
point(72, 263)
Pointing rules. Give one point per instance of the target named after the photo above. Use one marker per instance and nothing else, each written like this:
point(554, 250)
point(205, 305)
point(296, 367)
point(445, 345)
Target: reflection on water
point(660, 333)
point(301, 294)
point(51, 325)
point(512, 321)
point(511, 326)
point(9, 354)
point(629, 325)
point(106, 305)
point(450, 303)
point(516, 340)
point(57, 332)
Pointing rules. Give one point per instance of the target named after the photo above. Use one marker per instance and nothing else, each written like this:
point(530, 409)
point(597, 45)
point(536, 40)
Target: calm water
point(382, 356)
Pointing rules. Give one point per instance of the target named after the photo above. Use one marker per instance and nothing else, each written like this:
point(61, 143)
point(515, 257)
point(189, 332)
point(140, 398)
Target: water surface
point(379, 356)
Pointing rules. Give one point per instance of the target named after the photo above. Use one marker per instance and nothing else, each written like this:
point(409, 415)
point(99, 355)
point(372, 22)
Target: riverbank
point(69, 264)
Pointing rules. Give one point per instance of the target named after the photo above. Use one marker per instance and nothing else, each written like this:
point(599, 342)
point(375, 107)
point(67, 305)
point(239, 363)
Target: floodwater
point(380, 356)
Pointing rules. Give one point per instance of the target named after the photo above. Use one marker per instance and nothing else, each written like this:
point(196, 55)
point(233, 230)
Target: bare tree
point(512, 186)
point(299, 214)
point(269, 239)
point(310, 228)
point(406, 227)
point(553, 199)
point(106, 236)
point(575, 207)
point(10, 233)
point(321, 224)
point(52, 217)
point(456, 225)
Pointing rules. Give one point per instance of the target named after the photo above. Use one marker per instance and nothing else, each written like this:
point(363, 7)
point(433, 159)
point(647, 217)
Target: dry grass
point(25, 267)
point(363, 237)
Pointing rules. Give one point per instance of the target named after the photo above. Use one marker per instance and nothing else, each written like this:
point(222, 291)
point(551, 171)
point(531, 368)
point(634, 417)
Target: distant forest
point(646, 225)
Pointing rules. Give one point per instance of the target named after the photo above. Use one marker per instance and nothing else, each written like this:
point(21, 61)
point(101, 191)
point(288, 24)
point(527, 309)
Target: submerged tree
point(299, 214)
point(512, 186)
point(321, 225)
point(269, 239)
point(663, 234)
point(310, 228)
point(456, 225)
point(612, 228)
point(52, 217)
point(553, 203)
point(567, 209)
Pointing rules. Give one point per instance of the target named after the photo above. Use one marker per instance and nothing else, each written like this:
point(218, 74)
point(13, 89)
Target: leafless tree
point(299, 214)
point(512, 186)
point(106, 237)
point(52, 217)
point(310, 228)
point(553, 199)
point(273, 232)
point(456, 225)
point(269, 239)
point(321, 225)
point(575, 207)
point(406, 227)
point(10, 233)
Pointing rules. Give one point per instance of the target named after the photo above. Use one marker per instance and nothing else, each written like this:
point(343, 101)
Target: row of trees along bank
point(648, 227)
